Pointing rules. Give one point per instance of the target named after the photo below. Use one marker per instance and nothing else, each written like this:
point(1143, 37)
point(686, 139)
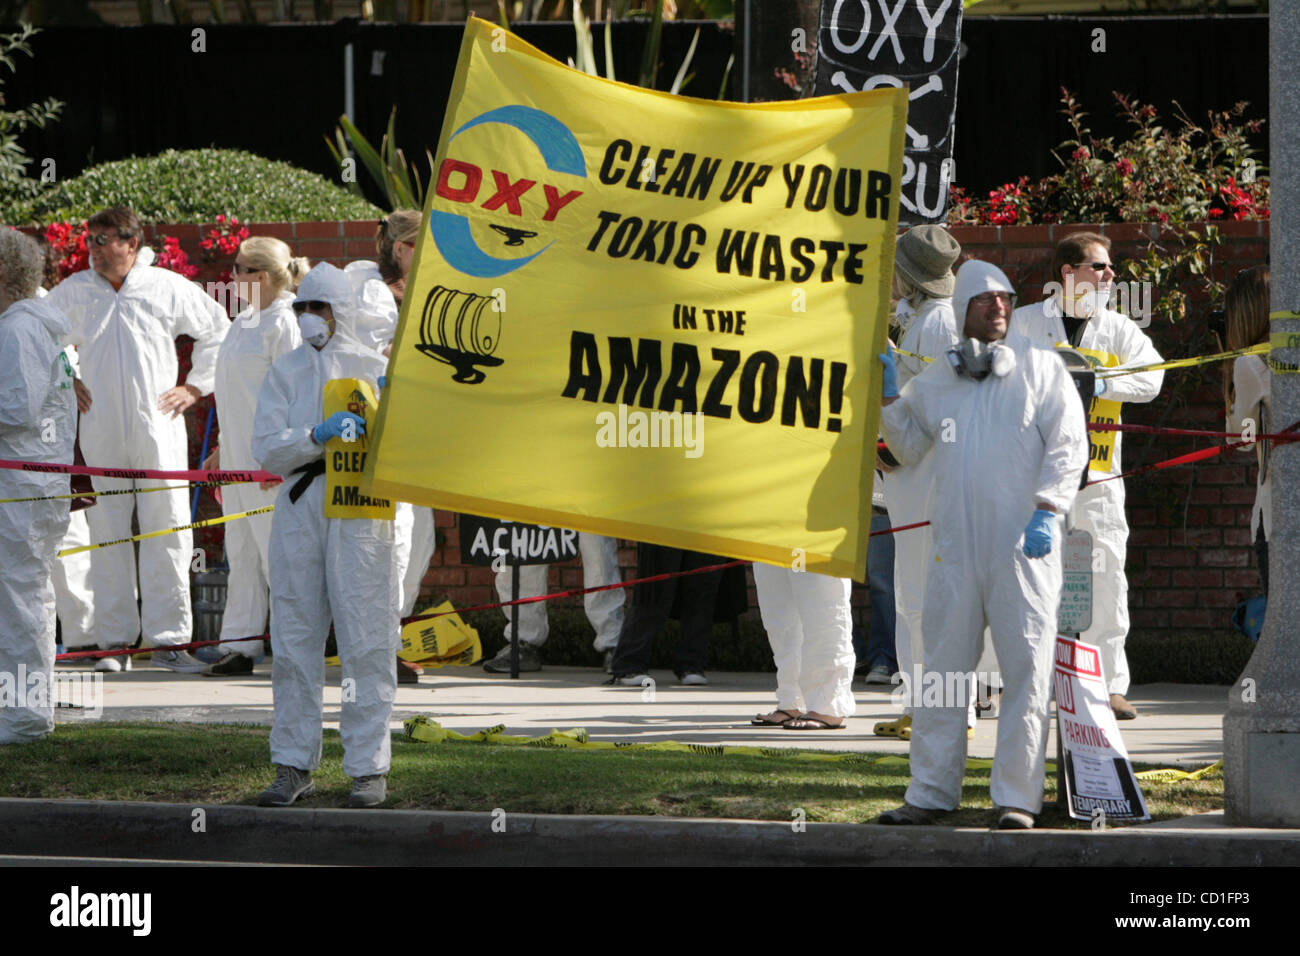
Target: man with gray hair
point(124, 316)
point(38, 423)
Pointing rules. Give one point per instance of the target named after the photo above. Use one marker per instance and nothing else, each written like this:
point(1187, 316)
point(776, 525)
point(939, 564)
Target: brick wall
point(1190, 559)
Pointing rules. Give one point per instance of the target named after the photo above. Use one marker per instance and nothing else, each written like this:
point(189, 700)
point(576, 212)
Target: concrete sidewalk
point(1180, 725)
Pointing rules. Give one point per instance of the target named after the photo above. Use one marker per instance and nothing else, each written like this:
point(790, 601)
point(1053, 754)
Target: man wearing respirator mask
point(1010, 443)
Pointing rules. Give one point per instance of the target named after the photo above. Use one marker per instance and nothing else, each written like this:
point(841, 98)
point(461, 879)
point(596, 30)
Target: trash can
point(209, 603)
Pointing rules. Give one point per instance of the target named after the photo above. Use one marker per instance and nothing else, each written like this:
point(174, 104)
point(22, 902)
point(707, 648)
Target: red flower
point(1124, 167)
point(1081, 153)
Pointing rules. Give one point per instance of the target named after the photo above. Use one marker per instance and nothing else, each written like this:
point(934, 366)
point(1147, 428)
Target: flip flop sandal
point(762, 721)
point(900, 728)
point(811, 723)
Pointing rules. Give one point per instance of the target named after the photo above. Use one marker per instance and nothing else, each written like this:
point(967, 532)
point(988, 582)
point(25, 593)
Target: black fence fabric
point(278, 90)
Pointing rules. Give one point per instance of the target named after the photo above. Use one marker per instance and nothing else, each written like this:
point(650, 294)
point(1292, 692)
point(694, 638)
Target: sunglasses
point(315, 305)
point(103, 238)
point(986, 299)
point(1096, 266)
point(240, 269)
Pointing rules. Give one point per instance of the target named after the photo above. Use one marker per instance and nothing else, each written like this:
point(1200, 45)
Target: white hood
point(974, 278)
point(54, 321)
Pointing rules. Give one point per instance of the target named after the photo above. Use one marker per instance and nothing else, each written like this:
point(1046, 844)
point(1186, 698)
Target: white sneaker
point(880, 674)
point(632, 680)
point(693, 680)
point(114, 665)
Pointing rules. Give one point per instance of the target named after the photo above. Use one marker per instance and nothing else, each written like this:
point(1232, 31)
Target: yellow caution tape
point(923, 358)
point(97, 494)
point(1260, 349)
point(1283, 340)
point(424, 730)
point(1283, 314)
point(1177, 776)
point(157, 534)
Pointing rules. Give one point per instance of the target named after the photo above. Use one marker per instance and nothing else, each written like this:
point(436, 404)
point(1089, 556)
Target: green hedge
point(195, 186)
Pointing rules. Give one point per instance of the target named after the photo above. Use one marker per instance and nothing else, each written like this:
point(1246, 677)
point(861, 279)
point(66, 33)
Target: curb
point(337, 837)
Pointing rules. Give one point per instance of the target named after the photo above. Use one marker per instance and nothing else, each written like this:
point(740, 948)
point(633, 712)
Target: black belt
point(309, 474)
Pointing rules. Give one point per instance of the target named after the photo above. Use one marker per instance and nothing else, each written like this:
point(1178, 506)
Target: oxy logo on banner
point(461, 180)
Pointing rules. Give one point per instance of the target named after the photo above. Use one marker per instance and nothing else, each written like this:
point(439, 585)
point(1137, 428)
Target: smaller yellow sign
point(344, 460)
point(441, 641)
point(1102, 411)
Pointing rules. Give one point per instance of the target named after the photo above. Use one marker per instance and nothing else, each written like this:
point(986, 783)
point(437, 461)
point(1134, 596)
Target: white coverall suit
point(38, 422)
point(1099, 509)
point(604, 608)
point(376, 327)
point(255, 341)
point(127, 345)
point(1017, 440)
point(325, 568)
point(809, 623)
point(930, 331)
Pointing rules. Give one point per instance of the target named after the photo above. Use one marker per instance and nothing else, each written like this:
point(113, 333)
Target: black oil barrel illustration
point(461, 329)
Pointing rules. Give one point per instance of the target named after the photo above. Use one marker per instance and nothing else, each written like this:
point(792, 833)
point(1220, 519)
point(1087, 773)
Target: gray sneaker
point(908, 815)
point(1012, 818)
point(368, 791)
point(880, 674)
point(529, 660)
point(290, 784)
point(182, 662)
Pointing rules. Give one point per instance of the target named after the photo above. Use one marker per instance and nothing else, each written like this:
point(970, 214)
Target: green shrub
point(195, 186)
point(1194, 658)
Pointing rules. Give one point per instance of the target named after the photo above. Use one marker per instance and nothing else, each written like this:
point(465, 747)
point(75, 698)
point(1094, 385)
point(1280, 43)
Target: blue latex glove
point(1038, 534)
point(383, 380)
point(1099, 387)
point(332, 427)
point(889, 378)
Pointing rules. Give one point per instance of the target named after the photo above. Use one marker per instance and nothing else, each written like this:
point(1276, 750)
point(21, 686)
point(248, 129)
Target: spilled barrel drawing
point(461, 329)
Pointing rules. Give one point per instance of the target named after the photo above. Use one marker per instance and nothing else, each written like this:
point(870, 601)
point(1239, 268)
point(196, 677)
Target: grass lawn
point(216, 764)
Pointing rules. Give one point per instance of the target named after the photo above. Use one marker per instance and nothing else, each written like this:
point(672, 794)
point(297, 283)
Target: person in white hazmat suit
point(124, 317)
point(265, 274)
point(1077, 315)
point(38, 423)
point(1005, 423)
point(325, 569)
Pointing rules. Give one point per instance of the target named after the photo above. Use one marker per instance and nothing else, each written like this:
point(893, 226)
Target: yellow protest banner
point(648, 316)
point(344, 459)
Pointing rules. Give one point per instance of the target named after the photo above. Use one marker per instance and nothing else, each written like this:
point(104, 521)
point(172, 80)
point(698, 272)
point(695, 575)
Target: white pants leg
point(604, 608)
point(826, 617)
point(533, 625)
point(421, 552)
point(72, 596)
point(248, 598)
point(112, 570)
point(30, 533)
point(300, 623)
point(1022, 619)
point(1099, 510)
point(364, 591)
point(775, 605)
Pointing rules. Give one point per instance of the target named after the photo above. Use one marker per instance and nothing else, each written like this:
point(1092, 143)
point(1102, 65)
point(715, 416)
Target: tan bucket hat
point(925, 254)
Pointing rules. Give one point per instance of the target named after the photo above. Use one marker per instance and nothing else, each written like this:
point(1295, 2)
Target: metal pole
point(349, 94)
point(514, 622)
point(1261, 732)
